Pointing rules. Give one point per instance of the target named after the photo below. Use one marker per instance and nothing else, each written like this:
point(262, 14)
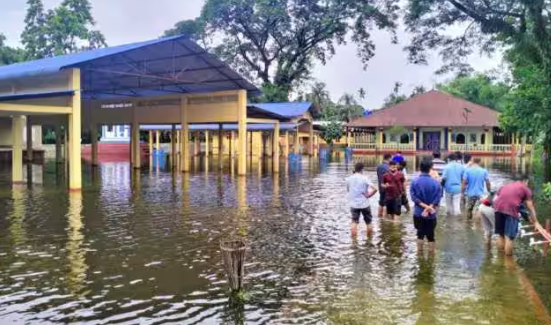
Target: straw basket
point(233, 256)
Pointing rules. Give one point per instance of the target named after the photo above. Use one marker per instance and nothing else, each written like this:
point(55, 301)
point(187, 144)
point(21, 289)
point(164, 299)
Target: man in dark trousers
point(394, 185)
point(381, 170)
point(425, 192)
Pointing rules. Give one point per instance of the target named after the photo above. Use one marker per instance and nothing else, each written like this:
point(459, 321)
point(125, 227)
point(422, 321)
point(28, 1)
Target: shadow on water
point(142, 246)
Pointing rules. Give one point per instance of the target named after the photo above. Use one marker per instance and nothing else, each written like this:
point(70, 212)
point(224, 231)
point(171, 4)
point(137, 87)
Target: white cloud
point(126, 21)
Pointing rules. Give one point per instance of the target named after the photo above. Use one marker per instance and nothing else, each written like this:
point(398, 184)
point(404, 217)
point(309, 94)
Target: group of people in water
point(460, 180)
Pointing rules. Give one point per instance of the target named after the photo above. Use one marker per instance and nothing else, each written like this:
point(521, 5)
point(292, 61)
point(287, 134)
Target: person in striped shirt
point(437, 163)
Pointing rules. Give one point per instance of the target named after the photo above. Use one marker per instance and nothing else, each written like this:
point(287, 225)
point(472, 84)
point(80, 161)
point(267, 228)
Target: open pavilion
point(169, 81)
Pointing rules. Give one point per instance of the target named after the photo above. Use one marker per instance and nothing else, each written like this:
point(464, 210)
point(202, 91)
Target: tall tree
point(280, 40)
point(65, 29)
point(34, 35)
point(395, 96)
point(482, 89)
point(348, 108)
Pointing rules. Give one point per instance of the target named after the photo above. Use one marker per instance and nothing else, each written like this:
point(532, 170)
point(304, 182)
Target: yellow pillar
point(136, 148)
point(311, 139)
point(207, 143)
point(296, 148)
point(286, 145)
point(275, 148)
point(185, 133)
point(220, 142)
point(150, 142)
point(58, 137)
point(94, 141)
point(316, 145)
point(449, 139)
point(242, 132)
point(173, 146)
point(348, 141)
point(197, 143)
point(232, 144)
point(17, 125)
point(75, 163)
point(414, 139)
point(29, 131)
point(380, 138)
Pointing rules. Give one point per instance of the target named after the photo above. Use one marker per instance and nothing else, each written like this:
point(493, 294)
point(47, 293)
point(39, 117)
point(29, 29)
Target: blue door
point(431, 141)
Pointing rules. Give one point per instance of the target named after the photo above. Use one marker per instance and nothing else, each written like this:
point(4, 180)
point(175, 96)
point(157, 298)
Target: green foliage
point(65, 29)
point(348, 108)
point(277, 42)
point(479, 88)
point(396, 96)
point(333, 129)
point(547, 191)
point(9, 55)
point(397, 130)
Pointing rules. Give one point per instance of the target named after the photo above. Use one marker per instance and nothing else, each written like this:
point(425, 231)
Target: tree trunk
point(545, 159)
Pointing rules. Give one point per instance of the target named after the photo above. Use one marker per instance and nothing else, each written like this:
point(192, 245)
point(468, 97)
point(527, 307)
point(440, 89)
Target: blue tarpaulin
point(287, 109)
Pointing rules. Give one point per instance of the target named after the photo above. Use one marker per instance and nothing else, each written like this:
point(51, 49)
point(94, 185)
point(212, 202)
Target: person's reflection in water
point(424, 302)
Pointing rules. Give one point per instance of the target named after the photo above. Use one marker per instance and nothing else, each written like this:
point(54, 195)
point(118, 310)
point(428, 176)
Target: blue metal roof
point(16, 97)
point(288, 109)
point(225, 127)
point(170, 65)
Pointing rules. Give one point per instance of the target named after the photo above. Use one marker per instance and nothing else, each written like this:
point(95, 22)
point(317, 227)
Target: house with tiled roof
point(432, 121)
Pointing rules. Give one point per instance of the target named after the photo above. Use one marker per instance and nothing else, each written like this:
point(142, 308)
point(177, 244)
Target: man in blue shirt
point(425, 192)
point(452, 178)
point(475, 179)
point(381, 170)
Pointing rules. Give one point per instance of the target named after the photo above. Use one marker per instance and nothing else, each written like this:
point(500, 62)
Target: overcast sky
point(126, 21)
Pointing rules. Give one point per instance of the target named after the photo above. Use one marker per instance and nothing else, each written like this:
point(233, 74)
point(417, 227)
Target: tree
point(65, 29)
point(277, 42)
point(479, 88)
point(348, 108)
point(9, 55)
point(395, 96)
point(333, 128)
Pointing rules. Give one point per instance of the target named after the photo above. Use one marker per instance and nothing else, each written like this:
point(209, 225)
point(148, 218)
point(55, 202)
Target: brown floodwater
point(143, 248)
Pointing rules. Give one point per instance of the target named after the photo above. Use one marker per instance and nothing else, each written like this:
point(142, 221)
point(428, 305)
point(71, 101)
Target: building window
point(393, 138)
point(404, 139)
point(472, 138)
point(384, 138)
point(109, 128)
point(483, 139)
point(460, 138)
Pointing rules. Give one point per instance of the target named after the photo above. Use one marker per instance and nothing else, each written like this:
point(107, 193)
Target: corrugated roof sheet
point(288, 109)
point(151, 68)
point(431, 109)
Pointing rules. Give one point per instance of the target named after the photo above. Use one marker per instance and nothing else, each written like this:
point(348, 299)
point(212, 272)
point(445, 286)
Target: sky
point(127, 21)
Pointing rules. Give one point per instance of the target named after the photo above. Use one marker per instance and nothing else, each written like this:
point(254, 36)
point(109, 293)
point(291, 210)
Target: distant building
point(433, 121)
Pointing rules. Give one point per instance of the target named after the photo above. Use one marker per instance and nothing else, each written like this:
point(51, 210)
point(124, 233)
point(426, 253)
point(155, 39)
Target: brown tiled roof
point(433, 108)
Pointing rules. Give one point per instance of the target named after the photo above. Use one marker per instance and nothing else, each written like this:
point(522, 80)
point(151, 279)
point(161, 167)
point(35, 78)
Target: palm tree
point(361, 93)
point(349, 108)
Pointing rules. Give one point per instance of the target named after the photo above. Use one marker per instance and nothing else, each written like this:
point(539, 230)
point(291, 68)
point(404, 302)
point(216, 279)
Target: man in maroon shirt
point(394, 185)
point(506, 206)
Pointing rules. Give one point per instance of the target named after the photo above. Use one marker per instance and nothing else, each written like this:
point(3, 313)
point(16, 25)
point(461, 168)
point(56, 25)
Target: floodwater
point(143, 248)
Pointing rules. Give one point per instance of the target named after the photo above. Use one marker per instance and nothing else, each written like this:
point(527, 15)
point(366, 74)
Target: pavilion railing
point(481, 147)
point(384, 146)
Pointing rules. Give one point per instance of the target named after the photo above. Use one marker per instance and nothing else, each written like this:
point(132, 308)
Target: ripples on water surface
point(143, 249)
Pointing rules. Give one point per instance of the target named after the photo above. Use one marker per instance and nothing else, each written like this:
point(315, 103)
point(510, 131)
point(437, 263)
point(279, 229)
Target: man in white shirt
point(359, 191)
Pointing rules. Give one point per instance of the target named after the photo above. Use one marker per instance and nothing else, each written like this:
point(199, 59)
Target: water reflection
point(147, 252)
point(76, 253)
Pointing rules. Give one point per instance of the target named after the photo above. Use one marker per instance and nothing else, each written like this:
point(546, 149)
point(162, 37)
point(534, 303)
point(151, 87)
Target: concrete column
point(29, 136)
point(75, 163)
point(94, 141)
point(197, 143)
point(136, 147)
point(297, 142)
point(242, 132)
point(220, 143)
point(58, 140)
point(185, 134)
point(316, 145)
point(231, 150)
point(17, 125)
point(348, 139)
point(449, 140)
point(173, 145)
point(311, 139)
point(414, 139)
point(65, 143)
point(207, 143)
point(150, 142)
point(286, 145)
point(275, 148)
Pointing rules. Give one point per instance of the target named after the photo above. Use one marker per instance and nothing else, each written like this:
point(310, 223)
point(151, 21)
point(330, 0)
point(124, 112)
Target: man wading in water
point(425, 192)
point(394, 185)
point(359, 193)
point(381, 170)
